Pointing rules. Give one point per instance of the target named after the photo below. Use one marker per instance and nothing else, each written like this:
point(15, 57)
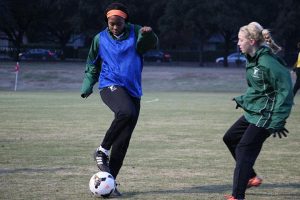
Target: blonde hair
point(262, 36)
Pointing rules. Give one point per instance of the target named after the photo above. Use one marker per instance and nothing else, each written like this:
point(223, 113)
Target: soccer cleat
point(254, 182)
point(102, 161)
point(230, 197)
point(116, 193)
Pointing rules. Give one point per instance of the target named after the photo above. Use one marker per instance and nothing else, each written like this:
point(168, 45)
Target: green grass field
point(47, 139)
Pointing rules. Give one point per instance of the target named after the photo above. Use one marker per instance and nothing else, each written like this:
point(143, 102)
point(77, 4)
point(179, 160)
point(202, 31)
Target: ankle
point(103, 150)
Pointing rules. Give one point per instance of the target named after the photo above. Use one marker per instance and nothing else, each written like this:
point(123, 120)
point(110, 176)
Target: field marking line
point(153, 100)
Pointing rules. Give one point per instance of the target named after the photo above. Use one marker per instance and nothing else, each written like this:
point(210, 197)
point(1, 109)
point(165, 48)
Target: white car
point(232, 58)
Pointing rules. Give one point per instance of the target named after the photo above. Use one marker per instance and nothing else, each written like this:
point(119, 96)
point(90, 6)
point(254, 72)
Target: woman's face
point(116, 25)
point(244, 43)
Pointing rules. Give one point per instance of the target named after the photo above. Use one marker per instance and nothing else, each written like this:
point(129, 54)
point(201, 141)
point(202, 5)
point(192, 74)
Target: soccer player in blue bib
point(115, 61)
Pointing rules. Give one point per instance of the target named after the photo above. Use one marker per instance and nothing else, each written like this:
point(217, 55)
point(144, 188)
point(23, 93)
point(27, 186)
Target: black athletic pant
point(297, 83)
point(126, 109)
point(244, 141)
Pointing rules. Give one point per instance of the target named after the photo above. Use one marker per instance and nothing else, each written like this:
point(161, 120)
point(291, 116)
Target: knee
point(226, 139)
point(126, 115)
point(245, 155)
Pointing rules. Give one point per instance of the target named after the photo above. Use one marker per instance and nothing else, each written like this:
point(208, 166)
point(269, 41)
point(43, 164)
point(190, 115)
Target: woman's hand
point(146, 29)
point(279, 132)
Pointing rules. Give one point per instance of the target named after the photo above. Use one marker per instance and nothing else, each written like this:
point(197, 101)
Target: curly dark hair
point(116, 6)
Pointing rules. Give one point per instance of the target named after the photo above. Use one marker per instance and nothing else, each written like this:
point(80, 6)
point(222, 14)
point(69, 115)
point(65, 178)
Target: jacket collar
point(253, 61)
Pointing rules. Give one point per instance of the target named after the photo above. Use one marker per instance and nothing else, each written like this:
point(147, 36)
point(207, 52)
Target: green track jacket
point(269, 98)
point(144, 42)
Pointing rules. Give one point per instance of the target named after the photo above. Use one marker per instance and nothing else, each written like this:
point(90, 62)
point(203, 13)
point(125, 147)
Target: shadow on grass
point(32, 170)
point(291, 196)
point(222, 189)
point(285, 195)
point(186, 190)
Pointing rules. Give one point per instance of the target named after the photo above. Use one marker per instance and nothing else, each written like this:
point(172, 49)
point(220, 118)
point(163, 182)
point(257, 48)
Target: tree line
point(180, 24)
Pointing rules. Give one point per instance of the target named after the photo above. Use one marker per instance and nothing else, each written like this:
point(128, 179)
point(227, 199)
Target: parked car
point(232, 58)
point(5, 57)
point(157, 56)
point(39, 54)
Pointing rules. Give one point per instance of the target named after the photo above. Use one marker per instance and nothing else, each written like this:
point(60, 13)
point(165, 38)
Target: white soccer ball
point(102, 184)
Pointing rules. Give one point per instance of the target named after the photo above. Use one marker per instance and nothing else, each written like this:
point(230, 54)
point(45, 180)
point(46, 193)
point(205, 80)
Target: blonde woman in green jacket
point(267, 104)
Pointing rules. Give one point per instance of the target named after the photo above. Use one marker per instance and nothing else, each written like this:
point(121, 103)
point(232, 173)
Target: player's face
point(116, 25)
point(244, 43)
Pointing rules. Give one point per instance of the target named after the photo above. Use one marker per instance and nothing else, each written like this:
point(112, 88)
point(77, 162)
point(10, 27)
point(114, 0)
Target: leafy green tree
point(91, 14)
point(200, 26)
point(171, 24)
point(186, 23)
point(145, 13)
point(281, 17)
point(286, 27)
point(180, 24)
point(91, 18)
point(16, 17)
point(60, 21)
point(227, 19)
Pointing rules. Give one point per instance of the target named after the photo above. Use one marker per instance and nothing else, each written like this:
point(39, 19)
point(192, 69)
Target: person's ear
point(252, 42)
